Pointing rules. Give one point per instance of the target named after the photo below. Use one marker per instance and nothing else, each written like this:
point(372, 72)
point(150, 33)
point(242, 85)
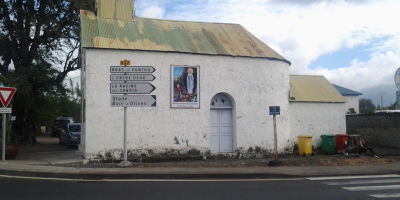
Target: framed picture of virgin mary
point(185, 82)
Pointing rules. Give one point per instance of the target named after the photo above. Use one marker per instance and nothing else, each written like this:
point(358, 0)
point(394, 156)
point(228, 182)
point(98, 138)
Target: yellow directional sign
point(125, 62)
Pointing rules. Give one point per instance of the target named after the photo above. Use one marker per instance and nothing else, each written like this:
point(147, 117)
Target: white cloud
point(153, 12)
point(379, 70)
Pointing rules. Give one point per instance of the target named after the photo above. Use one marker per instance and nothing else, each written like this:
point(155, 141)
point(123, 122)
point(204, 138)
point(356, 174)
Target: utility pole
point(381, 93)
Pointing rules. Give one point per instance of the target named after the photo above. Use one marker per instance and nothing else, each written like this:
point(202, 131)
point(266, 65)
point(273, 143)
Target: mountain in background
point(374, 93)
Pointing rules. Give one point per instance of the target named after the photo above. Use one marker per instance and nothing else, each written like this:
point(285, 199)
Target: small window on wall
point(221, 100)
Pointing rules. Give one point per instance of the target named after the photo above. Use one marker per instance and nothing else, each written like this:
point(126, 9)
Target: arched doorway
point(221, 124)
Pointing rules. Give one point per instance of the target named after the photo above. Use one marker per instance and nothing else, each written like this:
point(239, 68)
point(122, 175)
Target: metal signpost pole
point(3, 155)
point(6, 93)
point(125, 151)
point(125, 127)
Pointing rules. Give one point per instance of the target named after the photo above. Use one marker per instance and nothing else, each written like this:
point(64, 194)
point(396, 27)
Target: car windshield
point(61, 121)
point(75, 128)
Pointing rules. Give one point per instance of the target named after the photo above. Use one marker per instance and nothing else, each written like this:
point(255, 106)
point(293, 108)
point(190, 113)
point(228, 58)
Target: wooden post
point(275, 110)
point(276, 140)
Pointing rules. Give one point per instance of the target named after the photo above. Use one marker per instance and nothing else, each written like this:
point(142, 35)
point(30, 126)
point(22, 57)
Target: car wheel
point(68, 144)
point(53, 134)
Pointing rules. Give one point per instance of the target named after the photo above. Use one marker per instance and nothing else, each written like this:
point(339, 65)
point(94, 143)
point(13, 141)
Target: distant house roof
point(345, 91)
point(172, 36)
point(313, 89)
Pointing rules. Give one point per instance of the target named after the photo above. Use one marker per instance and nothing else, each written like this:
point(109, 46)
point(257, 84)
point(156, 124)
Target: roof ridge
point(174, 20)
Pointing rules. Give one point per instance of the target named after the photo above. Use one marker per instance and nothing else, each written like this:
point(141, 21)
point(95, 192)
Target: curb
point(101, 176)
point(93, 176)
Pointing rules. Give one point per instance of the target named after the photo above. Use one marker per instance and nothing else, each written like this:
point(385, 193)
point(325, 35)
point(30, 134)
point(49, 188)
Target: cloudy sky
point(353, 43)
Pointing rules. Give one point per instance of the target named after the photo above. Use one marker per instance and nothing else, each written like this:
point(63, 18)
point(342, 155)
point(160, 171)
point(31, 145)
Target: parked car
point(388, 111)
point(58, 124)
point(70, 134)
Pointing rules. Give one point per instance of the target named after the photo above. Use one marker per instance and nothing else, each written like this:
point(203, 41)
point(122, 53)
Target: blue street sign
point(274, 110)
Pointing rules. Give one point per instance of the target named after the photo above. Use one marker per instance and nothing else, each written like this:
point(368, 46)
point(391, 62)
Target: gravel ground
point(385, 155)
point(292, 160)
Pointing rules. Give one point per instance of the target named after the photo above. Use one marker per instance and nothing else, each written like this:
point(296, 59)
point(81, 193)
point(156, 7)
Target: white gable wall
point(253, 83)
point(316, 119)
point(352, 102)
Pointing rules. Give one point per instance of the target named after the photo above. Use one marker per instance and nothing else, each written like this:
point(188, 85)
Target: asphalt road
point(27, 188)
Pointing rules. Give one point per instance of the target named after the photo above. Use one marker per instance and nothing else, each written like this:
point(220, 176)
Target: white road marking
point(385, 195)
point(352, 177)
point(364, 188)
point(189, 180)
point(39, 178)
point(364, 182)
point(149, 180)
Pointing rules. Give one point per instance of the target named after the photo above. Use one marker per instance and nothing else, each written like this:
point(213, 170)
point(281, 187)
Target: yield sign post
point(6, 94)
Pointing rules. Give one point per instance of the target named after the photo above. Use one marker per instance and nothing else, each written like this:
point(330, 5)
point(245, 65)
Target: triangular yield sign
point(6, 94)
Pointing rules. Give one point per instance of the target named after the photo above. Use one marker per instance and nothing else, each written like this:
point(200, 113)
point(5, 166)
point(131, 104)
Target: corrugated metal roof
point(314, 89)
point(115, 9)
point(345, 91)
point(172, 36)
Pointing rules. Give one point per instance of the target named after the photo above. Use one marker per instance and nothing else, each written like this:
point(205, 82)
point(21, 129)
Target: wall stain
point(176, 140)
point(186, 153)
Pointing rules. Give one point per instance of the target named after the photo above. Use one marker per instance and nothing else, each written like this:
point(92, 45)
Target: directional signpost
point(131, 88)
point(6, 95)
point(132, 77)
point(132, 69)
point(275, 110)
point(133, 100)
point(135, 81)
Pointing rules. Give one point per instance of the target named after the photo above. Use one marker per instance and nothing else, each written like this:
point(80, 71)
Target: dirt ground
point(292, 160)
point(381, 155)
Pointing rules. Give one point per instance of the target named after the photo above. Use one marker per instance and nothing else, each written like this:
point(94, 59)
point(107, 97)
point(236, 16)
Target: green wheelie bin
point(328, 143)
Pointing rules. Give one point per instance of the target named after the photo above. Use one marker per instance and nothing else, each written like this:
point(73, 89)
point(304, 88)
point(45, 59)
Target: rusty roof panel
point(175, 39)
point(196, 32)
point(227, 47)
point(235, 38)
point(153, 39)
point(251, 47)
point(268, 51)
point(211, 35)
point(172, 36)
point(314, 89)
point(88, 28)
point(106, 34)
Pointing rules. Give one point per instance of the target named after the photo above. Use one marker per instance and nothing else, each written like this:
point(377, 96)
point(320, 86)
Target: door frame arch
point(232, 107)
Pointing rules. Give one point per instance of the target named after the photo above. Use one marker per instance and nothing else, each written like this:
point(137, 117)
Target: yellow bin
point(305, 145)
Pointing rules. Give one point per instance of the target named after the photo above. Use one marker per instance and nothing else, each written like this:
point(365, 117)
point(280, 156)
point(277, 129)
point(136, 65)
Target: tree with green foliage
point(390, 107)
point(36, 37)
point(351, 111)
point(66, 105)
point(366, 106)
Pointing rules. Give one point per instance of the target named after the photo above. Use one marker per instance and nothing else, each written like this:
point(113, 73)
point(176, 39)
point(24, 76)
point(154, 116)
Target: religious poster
point(185, 86)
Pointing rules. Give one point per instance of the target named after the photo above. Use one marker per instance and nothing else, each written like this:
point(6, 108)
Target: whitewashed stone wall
point(316, 119)
point(253, 83)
